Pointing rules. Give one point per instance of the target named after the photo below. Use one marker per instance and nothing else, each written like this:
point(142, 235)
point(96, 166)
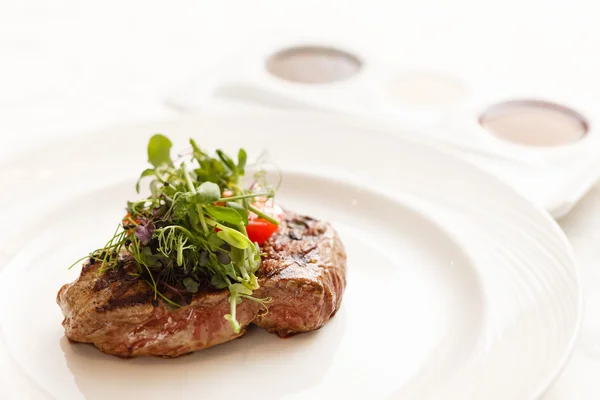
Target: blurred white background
point(69, 66)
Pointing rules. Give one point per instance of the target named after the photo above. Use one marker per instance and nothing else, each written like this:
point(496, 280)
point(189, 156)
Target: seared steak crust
point(304, 272)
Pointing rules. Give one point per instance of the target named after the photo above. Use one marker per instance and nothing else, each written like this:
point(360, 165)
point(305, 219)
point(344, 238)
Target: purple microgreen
point(144, 231)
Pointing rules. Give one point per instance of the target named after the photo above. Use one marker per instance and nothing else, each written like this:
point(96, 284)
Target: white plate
point(457, 288)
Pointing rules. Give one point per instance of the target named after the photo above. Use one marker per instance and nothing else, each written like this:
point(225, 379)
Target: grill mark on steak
point(113, 275)
point(122, 284)
point(124, 301)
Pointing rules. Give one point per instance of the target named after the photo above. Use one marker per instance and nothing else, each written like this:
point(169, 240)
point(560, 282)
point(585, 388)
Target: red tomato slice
point(259, 229)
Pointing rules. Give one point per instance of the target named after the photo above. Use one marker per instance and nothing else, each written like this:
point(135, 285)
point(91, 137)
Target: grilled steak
point(304, 272)
point(119, 317)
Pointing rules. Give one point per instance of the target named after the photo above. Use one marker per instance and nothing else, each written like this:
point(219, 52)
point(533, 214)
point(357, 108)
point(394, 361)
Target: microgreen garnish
point(190, 232)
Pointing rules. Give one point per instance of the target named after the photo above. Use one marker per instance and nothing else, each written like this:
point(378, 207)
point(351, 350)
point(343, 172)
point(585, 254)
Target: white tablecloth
point(69, 66)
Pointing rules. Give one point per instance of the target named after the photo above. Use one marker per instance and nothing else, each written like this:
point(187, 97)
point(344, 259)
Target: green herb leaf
point(237, 256)
point(203, 258)
point(252, 283)
point(193, 216)
point(154, 189)
point(215, 240)
point(229, 270)
point(130, 207)
point(208, 193)
point(240, 210)
point(227, 160)
point(197, 152)
point(218, 282)
point(238, 289)
point(224, 214)
point(159, 150)
point(147, 172)
point(254, 258)
point(149, 258)
point(190, 285)
point(242, 158)
point(234, 238)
